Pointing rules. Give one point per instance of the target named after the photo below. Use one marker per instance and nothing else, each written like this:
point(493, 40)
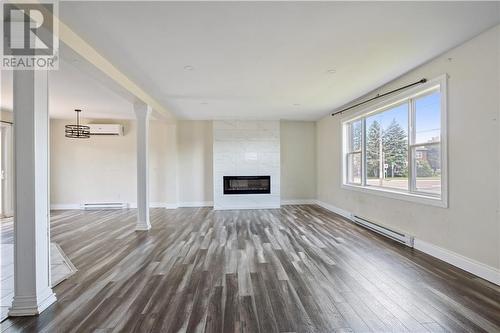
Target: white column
point(142, 112)
point(32, 285)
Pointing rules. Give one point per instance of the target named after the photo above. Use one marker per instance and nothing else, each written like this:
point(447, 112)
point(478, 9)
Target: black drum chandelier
point(77, 131)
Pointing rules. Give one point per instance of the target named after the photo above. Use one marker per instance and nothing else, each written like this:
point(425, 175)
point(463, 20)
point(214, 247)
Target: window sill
point(398, 195)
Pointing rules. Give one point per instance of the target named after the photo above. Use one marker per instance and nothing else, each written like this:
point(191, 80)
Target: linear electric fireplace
point(247, 184)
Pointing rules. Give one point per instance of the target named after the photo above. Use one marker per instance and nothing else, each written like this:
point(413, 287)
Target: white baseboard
point(298, 202)
point(130, 205)
point(336, 210)
point(64, 206)
point(247, 207)
point(472, 266)
point(171, 205)
point(196, 204)
point(163, 205)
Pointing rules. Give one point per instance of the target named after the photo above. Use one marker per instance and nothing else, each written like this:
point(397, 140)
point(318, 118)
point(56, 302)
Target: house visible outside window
point(397, 148)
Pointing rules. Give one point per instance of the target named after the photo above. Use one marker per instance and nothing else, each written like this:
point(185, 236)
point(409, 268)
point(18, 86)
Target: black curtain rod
point(381, 95)
point(6, 122)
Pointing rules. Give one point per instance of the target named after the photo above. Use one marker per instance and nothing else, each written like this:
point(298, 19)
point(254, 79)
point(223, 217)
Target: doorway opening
point(6, 170)
point(6, 216)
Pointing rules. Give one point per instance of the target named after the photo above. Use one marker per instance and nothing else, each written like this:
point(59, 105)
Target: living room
point(253, 166)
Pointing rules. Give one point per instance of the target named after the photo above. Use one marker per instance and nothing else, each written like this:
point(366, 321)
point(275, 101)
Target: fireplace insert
point(247, 184)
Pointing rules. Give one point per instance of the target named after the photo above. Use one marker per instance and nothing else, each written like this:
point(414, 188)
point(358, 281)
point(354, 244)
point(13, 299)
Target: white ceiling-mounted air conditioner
point(106, 129)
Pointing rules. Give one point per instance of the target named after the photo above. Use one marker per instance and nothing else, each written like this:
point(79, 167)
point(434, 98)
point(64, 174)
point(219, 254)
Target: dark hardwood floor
point(295, 269)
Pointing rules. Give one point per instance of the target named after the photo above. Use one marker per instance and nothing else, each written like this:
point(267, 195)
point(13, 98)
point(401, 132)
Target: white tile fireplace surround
point(246, 148)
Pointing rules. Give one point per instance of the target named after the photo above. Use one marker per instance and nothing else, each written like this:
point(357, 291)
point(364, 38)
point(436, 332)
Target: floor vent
point(392, 234)
point(105, 205)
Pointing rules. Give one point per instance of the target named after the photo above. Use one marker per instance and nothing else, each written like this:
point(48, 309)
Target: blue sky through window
point(399, 113)
point(428, 118)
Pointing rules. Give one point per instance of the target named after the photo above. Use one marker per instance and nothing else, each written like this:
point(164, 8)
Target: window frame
point(351, 152)
point(412, 194)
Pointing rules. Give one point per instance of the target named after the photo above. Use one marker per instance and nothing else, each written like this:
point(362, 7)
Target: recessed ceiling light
point(188, 68)
point(331, 71)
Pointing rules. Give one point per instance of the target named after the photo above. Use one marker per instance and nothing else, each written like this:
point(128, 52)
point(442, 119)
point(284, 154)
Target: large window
point(397, 148)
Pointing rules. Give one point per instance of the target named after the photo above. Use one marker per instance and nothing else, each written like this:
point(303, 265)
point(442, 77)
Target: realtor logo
point(29, 33)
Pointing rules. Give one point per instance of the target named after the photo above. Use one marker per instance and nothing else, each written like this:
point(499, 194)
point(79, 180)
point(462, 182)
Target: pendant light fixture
point(77, 131)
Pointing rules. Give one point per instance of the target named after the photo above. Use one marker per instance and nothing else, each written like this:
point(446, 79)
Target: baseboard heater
point(105, 205)
point(384, 231)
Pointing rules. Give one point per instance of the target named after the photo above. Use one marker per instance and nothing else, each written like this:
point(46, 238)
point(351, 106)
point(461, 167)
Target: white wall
point(163, 162)
point(246, 148)
point(103, 168)
point(298, 160)
point(470, 226)
point(195, 162)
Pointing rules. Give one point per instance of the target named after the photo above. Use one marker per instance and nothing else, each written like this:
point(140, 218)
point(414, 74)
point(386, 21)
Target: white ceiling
point(258, 59)
point(78, 85)
point(254, 60)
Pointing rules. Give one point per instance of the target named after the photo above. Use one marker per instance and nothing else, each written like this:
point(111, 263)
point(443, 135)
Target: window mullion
point(412, 176)
point(363, 151)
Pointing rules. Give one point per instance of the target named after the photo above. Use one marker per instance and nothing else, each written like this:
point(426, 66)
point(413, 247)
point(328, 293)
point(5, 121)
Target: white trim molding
point(335, 209)
point(30, 305)
point(196, 204)
point(170, 205)
point(65, 206)
point(397, 195)
point(472, 266)
point(166, 205)
point(298, 202)
point(77, 206)
point(247, 207)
